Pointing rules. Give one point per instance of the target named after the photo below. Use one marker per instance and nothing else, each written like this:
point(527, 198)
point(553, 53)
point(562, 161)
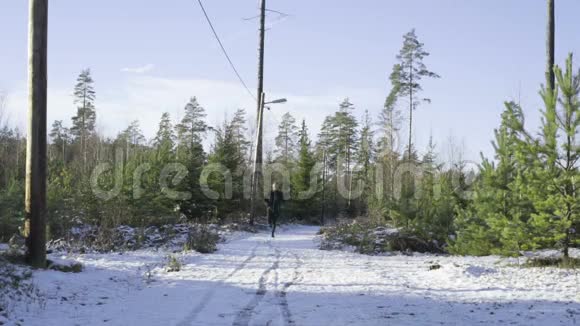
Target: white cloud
point(145, 98)
point(139, 70)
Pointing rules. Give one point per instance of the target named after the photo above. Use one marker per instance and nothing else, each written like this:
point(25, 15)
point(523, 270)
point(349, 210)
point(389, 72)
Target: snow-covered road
point(256, 280)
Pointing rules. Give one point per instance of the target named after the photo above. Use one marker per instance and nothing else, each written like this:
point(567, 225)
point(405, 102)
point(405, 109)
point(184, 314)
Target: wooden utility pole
point(410, 149)
point(35, 196)
point(550, 46)
point(257, 169)
point(323, 185)
point(261, 42)
point(257, 185)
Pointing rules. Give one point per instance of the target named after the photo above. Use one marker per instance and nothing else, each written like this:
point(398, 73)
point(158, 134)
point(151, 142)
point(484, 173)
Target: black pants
point(272, 220)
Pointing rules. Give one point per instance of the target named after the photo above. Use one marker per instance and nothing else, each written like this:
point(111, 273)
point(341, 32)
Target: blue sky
point(485, 51)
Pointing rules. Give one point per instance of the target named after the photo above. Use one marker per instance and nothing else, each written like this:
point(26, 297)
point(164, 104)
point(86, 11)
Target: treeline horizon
point(524, 198)
point(347, 152)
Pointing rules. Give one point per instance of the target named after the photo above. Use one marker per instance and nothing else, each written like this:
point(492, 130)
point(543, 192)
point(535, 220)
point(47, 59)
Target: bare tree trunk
point(569, 188)
point(348, 175)
point(18, 146)
point(286, 148)
point(35, 197)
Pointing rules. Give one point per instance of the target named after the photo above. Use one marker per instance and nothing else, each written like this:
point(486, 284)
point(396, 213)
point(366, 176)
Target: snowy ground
point(256, 280)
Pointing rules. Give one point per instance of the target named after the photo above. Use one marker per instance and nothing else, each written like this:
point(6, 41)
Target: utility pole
point(35, 193)
point(550, 46)
point(257, 191)
point(257, 169)
point(323, 185)
point(261, 42)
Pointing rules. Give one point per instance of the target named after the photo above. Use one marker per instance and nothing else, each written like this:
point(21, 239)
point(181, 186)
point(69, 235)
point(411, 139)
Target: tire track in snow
point(209, 294)
point(282, 295)
point(245, 315)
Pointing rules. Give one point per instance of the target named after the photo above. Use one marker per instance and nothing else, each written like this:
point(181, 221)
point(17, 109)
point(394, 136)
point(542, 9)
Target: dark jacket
point(276, 198)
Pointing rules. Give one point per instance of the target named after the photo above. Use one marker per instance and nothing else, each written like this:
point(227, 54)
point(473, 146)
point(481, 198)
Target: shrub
point(560, 262)
point(368, 238)
point(65, 268)
point(15, 285)
point(202, 239)
point(173, 264)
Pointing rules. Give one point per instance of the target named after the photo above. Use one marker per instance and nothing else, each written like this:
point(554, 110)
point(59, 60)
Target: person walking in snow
point(276, 198)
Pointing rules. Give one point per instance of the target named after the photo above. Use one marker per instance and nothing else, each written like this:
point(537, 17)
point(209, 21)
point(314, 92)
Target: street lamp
point(280, 100)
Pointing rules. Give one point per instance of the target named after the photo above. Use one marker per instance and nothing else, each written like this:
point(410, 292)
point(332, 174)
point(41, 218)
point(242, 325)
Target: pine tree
point(473, 235)
point(59, 136)
point(286, 139)
point(407, 75)
point(338, 140)
point(83, 124)
point(239, 130)
point(390, 121)
point(344, 138)
point(426, 206)
point(131, 137)
point(365, 161)
point(407, 204)
point(554, 182)
point(192, 126)
point(165, 138)
point(11, 182)
point(322, 153)
point(497, 220)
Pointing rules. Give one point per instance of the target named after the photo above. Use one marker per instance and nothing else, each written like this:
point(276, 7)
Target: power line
point(224, 51)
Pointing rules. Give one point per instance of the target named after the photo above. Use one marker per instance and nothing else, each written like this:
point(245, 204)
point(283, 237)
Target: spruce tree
point(225, 153)
point(198, 205)
point(302, 174)
point(191, 131)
